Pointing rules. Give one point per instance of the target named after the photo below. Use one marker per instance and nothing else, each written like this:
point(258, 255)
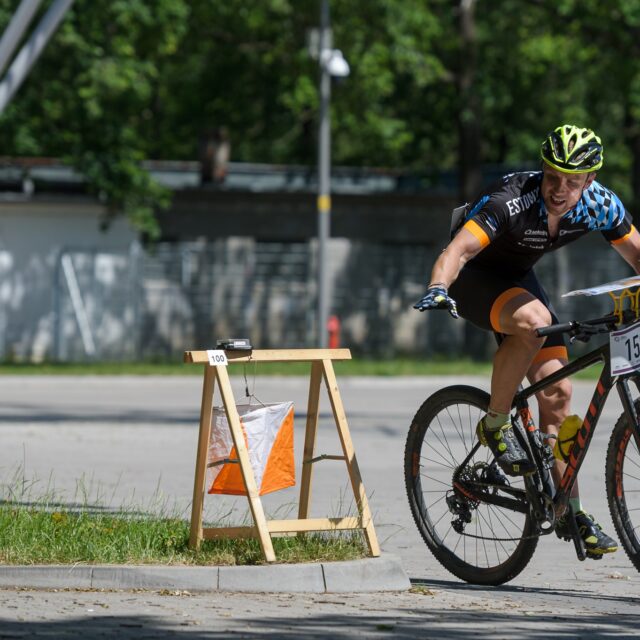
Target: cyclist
point(486, 275)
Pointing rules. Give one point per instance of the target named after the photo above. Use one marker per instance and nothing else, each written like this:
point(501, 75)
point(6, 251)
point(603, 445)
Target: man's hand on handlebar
point(437, 298)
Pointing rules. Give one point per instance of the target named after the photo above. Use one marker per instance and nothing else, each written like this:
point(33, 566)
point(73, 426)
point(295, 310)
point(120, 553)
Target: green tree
point(545, 62)
point(442, 84)
point(88, 99)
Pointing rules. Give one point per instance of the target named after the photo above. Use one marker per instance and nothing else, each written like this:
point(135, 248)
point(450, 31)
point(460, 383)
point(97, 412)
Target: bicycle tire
point(500, 541)
point(623, 486)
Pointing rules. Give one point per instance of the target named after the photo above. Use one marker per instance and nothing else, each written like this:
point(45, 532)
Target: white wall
point(32, 237)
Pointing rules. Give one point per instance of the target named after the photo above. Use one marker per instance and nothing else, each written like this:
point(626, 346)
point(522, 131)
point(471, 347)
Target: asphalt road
point(124, 441)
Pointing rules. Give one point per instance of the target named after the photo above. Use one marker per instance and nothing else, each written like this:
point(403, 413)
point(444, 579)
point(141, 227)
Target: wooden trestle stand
point(321, 367)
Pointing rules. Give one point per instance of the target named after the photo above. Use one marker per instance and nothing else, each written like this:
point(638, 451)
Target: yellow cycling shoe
point(504, 445)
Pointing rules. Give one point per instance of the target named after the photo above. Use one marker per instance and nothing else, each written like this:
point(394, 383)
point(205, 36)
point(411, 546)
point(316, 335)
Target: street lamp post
point(324, 180)
point(332, 63)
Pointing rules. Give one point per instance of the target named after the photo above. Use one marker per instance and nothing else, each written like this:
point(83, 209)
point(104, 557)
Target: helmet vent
point(580, 156)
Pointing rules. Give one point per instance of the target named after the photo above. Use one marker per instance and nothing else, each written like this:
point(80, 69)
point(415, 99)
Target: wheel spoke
point(444, 483)
point(446, 462)
point(630, 476)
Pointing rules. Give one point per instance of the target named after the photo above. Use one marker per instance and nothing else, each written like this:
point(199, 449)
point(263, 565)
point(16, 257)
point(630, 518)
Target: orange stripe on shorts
point(475, 229)
point(551, 353)
point(498, 305)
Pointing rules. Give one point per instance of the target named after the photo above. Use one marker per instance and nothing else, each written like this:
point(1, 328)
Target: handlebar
point(555, 328)
point(584, 329)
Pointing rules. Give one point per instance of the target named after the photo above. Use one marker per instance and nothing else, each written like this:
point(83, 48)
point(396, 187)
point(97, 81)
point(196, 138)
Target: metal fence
point(152, 304)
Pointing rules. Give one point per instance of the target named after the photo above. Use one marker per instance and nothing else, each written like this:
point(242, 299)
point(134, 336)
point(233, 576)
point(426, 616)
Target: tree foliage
point(89, 98)
point(130, 80)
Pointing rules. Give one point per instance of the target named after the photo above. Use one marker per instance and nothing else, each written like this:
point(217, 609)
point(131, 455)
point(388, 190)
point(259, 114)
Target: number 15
point(635, 342)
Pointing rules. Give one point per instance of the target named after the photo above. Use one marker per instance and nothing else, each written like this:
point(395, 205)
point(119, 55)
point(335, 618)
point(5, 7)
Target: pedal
point(492, 474)
point(594, 556)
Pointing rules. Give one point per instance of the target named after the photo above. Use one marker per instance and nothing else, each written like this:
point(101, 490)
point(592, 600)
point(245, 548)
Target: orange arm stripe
point(625, 237)
point(498, 305)
point(551, 353)
point(478, 232)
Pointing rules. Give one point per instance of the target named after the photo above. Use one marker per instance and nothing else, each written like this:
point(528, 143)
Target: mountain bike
point(483, 526)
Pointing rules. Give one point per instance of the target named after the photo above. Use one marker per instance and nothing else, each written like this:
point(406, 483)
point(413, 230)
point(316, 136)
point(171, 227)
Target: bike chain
point(536, 535)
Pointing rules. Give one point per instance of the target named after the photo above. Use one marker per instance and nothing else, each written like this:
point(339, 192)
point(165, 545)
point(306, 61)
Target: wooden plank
point(201, 457)
point(286, 526)
point(272, 355)
point(350, 455)
point(315, 524)
point(255, 503)
point(215, 533)
point(310, 439)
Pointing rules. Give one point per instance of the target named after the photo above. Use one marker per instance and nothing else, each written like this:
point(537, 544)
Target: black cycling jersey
point(510, 220)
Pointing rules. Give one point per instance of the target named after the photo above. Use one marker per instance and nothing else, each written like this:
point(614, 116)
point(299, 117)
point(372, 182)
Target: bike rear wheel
point(478, 542)
point(623, 486)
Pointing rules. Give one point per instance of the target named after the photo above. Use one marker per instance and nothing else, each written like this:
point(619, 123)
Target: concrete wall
point(184, 295)
point(32, 237)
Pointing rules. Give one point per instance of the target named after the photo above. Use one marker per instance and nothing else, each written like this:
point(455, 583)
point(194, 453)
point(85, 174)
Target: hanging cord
point(253, 384)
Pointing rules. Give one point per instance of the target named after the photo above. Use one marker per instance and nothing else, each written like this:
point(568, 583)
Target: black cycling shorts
point(481, 295)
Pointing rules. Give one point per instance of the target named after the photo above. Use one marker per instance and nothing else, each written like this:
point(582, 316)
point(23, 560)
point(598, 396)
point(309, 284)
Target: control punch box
point(234, 344)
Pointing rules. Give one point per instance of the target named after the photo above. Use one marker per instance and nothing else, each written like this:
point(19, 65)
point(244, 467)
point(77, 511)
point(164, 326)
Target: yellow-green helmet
point(572, 150)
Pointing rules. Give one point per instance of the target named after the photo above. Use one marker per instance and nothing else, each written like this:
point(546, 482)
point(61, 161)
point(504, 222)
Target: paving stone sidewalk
point(431, 611)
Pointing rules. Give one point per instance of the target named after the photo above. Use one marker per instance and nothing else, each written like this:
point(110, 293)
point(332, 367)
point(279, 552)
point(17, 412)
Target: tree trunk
point(469, 153)
point(469, 162)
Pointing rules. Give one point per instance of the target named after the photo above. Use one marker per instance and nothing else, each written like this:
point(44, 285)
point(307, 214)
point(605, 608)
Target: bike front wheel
point(479, 542)
point(623, 486)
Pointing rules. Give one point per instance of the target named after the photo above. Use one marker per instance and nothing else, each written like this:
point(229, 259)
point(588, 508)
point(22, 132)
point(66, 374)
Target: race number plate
point(217, 357)
point(625, 349)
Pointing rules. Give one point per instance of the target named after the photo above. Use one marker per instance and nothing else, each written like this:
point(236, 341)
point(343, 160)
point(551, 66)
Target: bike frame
point(545, 502)
point(581, 445)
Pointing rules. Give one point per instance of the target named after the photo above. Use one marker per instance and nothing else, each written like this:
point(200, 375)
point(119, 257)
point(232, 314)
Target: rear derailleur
point(481, 478)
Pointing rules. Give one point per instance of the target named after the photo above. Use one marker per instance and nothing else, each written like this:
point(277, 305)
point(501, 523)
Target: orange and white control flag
point(268, 435)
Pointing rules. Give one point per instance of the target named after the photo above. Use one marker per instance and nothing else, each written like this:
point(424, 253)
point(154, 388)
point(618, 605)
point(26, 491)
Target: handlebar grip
point(541, 332)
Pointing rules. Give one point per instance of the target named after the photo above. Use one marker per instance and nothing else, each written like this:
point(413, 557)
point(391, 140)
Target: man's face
point(561, 191)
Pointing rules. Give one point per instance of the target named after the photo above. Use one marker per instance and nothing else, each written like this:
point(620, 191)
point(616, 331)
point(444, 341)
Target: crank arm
point(578, 543)
point(541, 506)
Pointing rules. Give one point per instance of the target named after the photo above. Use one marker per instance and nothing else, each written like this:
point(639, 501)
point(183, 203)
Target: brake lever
point(584, 332)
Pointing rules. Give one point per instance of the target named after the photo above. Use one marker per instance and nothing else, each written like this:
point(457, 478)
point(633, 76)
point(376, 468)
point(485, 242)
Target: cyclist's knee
point(525, 319)
point(556, 398)
point(527, 323)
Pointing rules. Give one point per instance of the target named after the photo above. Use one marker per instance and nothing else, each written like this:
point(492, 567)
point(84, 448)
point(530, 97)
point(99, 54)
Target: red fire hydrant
point(333, 327)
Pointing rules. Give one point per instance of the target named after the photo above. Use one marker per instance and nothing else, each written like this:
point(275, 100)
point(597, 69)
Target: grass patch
point(40, 525)
point(37, 535)
point(355, 367)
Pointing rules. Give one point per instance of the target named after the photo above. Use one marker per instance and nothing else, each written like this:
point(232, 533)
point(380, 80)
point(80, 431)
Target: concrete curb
point(371, 574)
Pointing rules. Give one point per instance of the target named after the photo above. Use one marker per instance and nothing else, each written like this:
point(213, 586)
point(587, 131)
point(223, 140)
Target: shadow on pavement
point(14, 414)
point(423, 623)
point(504, 589)
point(30, 415)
